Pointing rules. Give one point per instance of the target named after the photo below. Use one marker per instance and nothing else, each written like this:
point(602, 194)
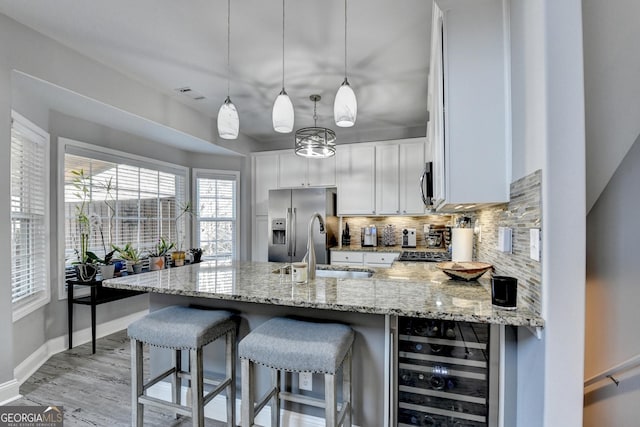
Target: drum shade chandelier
point(315, 142)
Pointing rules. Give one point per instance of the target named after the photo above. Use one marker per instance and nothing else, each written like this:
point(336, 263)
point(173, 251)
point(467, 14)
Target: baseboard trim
point(9, 392)
point(217, 410)
point(31, 364)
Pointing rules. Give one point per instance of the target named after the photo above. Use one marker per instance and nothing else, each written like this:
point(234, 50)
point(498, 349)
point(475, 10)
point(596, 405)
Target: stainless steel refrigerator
point(289, 215)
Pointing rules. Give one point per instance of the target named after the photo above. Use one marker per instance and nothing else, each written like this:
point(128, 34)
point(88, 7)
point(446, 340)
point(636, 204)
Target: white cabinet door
point(412, 163)
point(260, 244)
point(292, 170)
point(321, 172)
point(355, 173)
point(387, 179)
point(265, 178)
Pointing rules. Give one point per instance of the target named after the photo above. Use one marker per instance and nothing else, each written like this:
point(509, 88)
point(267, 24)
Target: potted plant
point(178, 256)
point(107, 268)
point(84, 266)
point(132, 255)
point(158, 253)
point(196, 253)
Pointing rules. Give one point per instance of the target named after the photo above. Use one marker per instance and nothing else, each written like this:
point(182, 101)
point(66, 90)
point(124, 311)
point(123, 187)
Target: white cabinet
point(265, 178)
point(387, 179)
point(469, 104)
point(295, 171)
point(367, 259)
point(355, 170)
point(380, 259)
point(399, 165)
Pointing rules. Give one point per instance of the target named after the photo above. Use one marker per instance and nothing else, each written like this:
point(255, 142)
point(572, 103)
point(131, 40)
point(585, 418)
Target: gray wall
point(613, 293)
point(29, 52)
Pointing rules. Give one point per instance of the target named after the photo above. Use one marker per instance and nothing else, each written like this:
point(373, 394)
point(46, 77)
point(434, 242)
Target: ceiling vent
point(187, 91)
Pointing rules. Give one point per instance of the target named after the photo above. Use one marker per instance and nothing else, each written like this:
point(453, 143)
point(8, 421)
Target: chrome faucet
point(310, 256)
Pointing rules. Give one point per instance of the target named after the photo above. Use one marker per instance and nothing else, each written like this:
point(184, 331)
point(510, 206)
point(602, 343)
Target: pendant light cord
point(228, 46)
point(282, 45)
point(315, 114)
point(345, 39)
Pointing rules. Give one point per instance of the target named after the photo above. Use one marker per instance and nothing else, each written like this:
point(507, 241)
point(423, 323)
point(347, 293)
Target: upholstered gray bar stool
point(297, 346)
point(183, 328)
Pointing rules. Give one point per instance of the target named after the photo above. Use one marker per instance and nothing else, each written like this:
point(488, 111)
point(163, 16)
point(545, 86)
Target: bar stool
point(297, 346)
point(183, 328)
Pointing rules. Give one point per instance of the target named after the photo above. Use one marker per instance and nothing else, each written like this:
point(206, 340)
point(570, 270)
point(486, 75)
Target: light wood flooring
point(93, 388)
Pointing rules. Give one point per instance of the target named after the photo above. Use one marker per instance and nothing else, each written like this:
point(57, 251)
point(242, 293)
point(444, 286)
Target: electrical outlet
point(504, 239)
point(534, 244)
point(305, 381)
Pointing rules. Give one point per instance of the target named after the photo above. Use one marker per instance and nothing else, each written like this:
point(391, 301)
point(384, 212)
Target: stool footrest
point(213, 393)
point(159, 403)
point(264, 399)
point(298, 398)
point(157, 379)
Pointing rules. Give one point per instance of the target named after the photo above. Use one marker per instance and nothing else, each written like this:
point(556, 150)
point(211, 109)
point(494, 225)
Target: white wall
point(548, 131)
point(612, 67)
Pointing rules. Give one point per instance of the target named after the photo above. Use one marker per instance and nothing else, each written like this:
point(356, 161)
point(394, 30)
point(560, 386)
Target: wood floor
point(94, 389)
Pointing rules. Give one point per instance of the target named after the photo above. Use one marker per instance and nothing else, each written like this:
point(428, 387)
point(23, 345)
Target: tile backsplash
point(523, 212)
point(400, 222)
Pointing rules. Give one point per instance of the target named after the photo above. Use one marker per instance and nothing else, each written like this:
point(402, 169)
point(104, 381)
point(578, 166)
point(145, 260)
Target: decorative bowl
point(464, 270)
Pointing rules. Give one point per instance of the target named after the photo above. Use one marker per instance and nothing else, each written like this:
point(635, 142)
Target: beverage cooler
point(444, 375)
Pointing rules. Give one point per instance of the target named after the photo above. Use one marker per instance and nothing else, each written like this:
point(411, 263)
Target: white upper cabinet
point(399, 165)
point(412, 164)
point(355, 171)
point(265, 178)
point(295, 171)
point(469, 103)
point(387, 179)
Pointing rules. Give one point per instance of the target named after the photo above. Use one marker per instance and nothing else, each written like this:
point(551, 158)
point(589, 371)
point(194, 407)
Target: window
point(216, 213)
point(128, 200)
point(29, 216)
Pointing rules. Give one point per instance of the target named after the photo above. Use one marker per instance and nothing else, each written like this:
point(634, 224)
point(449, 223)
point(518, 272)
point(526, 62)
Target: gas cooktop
point(419, 256)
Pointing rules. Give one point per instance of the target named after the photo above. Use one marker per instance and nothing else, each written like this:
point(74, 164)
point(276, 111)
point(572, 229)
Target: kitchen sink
point(346, 273)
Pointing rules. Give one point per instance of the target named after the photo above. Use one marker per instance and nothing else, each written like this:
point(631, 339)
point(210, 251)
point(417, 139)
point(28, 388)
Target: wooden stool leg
point(248, 393)
point(231, 373)
point(137, 409)
point(176, 380)
point(330, 391)
point(197, 387)
point(346, 389)
point(275, 400)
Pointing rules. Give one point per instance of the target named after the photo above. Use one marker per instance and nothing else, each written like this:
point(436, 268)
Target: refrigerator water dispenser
point(278, 231)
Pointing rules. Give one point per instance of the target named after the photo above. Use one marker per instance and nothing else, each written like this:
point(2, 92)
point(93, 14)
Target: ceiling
point(169, 44)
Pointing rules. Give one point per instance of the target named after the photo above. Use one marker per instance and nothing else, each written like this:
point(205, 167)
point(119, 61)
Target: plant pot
point(137, 268)
point(156, 263)
point(86, 272)
point(107, 271)
point(178, 258)
point(130, 266)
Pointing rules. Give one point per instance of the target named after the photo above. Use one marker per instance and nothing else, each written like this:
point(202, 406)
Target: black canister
point(504, 291)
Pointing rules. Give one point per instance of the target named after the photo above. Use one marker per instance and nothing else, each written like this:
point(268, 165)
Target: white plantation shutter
point(216, 209)
point(29, 212)
point(146, 198)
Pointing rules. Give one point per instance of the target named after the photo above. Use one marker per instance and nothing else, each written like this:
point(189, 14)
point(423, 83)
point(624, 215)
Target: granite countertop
point(396, 248)
point(405, 289)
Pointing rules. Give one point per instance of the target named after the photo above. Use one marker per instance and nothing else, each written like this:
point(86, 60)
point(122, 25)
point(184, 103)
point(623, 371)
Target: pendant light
point(315, 142)
point(282, 115)
point(345, 106)
point(228, 120)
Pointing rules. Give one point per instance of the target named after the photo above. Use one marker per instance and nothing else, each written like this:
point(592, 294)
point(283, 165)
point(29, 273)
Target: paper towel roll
point(462, 244)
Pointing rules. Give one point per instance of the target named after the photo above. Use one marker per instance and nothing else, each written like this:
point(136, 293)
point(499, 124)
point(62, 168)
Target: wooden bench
point(98, 295)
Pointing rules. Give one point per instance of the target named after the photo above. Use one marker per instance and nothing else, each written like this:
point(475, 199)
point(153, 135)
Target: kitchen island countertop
point(405, 289)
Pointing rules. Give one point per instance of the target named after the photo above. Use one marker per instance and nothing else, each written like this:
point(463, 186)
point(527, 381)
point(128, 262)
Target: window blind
point(29, 211)
point(216, 214)
point(127, 203)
